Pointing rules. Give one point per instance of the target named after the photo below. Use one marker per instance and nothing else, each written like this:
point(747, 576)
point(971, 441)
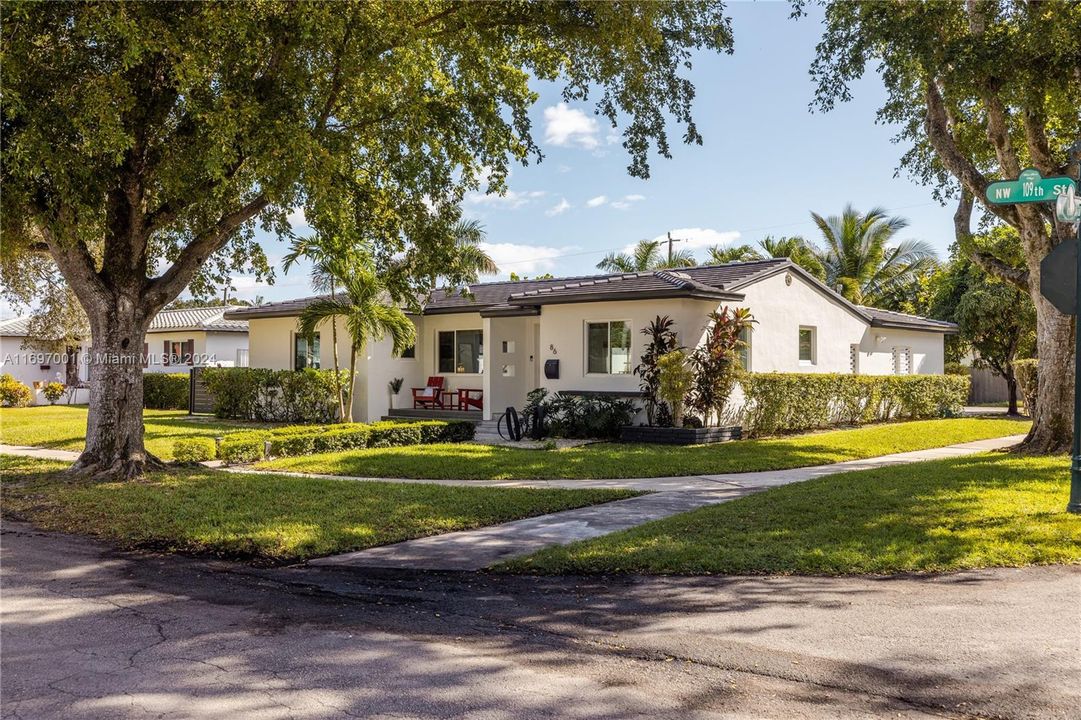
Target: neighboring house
point(176, 340)
point(585, 334)
point(179, 339)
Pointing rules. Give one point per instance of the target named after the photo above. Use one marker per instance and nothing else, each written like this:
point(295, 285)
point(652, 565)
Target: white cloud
point(627, 201)
point(566, 126)
point(524, 259)
point(510, 199)
point(297, 220)
point(701, 237)
point(559, 208)
point(597, 201)
point(564, 168)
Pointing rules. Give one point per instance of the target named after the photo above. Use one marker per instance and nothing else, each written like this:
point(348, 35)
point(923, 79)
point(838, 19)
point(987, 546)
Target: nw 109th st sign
point(1029, 187)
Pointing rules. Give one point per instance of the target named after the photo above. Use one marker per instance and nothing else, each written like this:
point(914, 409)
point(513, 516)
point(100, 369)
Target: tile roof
point(512, 297)
point(889, 318)
point(206, 319)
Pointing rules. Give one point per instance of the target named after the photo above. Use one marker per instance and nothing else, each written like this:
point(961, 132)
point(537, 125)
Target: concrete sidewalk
point(477, 549)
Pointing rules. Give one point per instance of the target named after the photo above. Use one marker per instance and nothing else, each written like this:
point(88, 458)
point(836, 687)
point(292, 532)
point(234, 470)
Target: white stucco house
point(176, 340)
point(583, 334)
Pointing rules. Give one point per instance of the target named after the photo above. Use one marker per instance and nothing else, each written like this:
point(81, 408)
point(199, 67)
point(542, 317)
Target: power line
point(670, 240)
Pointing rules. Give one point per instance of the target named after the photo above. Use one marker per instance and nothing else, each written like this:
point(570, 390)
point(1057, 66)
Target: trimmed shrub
point(242, 447)
point(1028, 376)
point(165, 391)
point(393, 434)
point(53, 391)
point(795, 402)
point(13, 393)
point(273, 395)
point(578, 416)
point(194, 450)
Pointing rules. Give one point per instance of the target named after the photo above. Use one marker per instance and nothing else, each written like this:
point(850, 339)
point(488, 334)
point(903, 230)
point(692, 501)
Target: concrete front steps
point(487, 433)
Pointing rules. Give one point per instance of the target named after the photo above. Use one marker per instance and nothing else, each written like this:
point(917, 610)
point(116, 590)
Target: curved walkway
point(478, 549)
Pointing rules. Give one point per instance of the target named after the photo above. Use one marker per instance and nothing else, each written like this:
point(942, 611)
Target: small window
point(178, 352)
point(608, 348)
point(409, 353)
point(306, 352)
point(745, 349)
point(902, 360)
point(807, 349)
point(854, 359)
point(461, 351)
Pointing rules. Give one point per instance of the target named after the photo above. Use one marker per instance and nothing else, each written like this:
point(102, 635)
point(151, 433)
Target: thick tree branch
point(962, 219)
point(77, 265)
point(206, 243)
point(937, 127)
point(168, 211)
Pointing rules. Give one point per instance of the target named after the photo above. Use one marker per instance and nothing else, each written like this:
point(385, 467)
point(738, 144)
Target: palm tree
point(646, 255)
point(859, 261)
point(469, 256)
point(796, 249)
point(321, 250)
point(365, 306)
point(717, 255)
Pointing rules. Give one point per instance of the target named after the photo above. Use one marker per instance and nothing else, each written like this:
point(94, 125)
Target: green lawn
point(621, 461)
point(977, 511)
point(263, 517)
point(63, 427)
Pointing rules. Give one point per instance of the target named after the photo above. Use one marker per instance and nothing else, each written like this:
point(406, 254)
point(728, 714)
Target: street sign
point(1029, 187)
point(1058, 277)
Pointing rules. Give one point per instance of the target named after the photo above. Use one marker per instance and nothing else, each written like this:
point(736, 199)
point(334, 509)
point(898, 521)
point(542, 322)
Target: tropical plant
point(395, 385)
point(796, 249)
point(13, 393)
point(716, 362)
point(143, 142)
point(676, 381)
point(53, 391)
point(646, 255)
point(978, 91)
point(365, 306)
point(792, 247)
point(717, 255)
point(860, 263)
point(662, 340)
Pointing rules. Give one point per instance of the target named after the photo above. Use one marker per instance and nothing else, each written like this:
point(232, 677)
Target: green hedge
point(295, 440)
point(304, 396)
point(194, 449)
point(165, 391)
point(793, 402)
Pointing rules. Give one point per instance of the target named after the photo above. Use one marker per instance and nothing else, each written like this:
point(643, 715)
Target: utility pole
point(670, 241)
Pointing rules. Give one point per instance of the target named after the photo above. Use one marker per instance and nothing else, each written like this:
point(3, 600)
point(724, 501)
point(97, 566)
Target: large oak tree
point(141, 140)
point(981, 91)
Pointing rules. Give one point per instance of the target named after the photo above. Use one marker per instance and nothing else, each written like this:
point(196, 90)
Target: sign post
point(1055, 285)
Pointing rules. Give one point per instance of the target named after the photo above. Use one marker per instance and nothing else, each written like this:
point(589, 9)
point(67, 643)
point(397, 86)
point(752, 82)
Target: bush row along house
point(500, 340)
point(176, 341)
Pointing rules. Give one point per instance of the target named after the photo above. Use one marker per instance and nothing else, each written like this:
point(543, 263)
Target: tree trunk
point(1052, 418)
point(352, 383)
point(337, 369)
point(114, 431)
point(1011, 390)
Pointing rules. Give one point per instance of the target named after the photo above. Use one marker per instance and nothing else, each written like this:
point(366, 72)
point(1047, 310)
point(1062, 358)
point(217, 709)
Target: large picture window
point(306, 352)
point(608, 348)
point(460, 351)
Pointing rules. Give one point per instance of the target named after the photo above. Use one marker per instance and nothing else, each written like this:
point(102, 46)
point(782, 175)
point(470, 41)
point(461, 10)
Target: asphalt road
point(91, 633)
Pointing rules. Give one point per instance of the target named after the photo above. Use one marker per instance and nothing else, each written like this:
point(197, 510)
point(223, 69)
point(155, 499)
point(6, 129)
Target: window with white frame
point(854, 358)
point(808, 341)
point(460, 351)
point(608, 348)
point(902, 361)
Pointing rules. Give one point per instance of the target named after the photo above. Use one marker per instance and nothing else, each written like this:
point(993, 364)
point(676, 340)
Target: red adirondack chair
point(429, 396)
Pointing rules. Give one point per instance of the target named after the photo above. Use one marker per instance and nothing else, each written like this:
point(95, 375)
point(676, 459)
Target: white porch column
point(489, 364)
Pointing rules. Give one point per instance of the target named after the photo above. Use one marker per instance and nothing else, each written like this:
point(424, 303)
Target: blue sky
point(766, 162)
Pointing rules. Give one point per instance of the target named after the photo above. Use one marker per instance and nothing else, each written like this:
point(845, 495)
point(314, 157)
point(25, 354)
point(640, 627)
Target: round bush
point(13, 393)
point(194, 450)
point(54, 391)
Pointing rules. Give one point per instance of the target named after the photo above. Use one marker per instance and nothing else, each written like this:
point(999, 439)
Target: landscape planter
point(679, 436)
